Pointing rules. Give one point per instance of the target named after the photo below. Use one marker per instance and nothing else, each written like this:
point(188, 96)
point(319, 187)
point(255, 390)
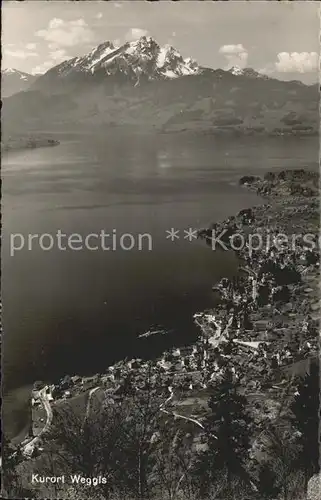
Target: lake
point(76, 311)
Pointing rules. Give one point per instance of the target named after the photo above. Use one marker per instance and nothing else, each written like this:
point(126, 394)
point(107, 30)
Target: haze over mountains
point(144, 85)
point(13, 81)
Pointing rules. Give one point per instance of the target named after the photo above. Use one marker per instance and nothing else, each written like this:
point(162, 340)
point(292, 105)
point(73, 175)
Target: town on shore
point(261, 338)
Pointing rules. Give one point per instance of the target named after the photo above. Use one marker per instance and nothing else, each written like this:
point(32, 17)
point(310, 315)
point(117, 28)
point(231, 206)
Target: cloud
point(53, 46)
point(99, 15)
point(232, 49)
point(20, 54)
point(301, 62)
point(293, 62)
point(268, 69)
point(66, 33)
point(55, 23)
point(135, 34)
point(56, 57)
point(59, 56)
point(31, 46)
point(118, 5)
point(78, 22)
point(235, 54)
point(42, 68)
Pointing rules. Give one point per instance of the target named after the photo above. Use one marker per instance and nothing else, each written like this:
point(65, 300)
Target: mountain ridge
point(141, 59)
point(14, 80)
point(141, 84)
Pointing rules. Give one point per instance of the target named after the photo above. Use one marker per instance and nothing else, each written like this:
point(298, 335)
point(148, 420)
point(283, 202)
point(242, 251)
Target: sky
point(278, 38)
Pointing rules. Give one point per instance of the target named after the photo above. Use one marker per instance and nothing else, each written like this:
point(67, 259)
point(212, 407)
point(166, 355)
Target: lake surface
point(75, 311)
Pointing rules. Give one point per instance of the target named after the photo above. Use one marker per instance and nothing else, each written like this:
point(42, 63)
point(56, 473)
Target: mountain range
point(142, 60)
point(144, 85)
point(13, 81)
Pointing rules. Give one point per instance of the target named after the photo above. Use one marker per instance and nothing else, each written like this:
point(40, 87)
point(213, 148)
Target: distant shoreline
point(136, 130)
point(21, 143)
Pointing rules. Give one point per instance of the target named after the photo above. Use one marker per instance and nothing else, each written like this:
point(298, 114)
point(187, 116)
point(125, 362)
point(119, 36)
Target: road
point(176, 415)
point(91, 392)
point(28, 448)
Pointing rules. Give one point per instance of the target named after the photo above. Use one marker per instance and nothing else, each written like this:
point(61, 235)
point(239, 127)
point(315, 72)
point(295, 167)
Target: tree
point(137, 457)
point(306, 416)
point(267, 481)
point(114, 441)
point(89, 448)
point(282, 451)
point(174, 459)
point(228, 432)
point(12, 485)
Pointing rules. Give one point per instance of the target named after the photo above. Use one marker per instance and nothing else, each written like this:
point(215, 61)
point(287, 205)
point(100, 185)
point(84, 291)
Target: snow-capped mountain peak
point(142, 58)
point(236, 70)
point(12, 71)
point(249, 72)
point(171, 64)
point(8, 71)
point(166, 54)
point(143, 45)
point(99, 53)
point(88, 62)
point(140, 51)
